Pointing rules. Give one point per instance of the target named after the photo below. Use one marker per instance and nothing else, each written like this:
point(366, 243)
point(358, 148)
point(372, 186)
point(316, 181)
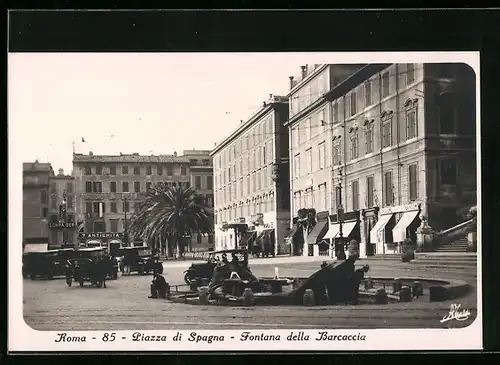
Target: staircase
point(459, 245)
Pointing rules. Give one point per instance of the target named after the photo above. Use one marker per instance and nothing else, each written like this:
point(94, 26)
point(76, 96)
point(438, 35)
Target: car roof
point(91, 249)
point(133, 248)
point(240, 250)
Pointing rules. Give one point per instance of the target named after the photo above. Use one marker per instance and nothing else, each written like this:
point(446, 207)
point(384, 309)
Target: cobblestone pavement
point(124, 304)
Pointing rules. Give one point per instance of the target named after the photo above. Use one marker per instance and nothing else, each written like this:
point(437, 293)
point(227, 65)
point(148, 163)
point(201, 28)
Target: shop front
point(315, 241)
point(394, 225)
point(108, 240)
point(340, 233)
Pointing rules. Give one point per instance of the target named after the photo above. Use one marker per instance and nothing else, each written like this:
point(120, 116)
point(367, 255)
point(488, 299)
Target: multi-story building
point(62, 212)
point(251, 180)
point(310, 149)
point(402, 152)
point(202, 179)
point(112, 187)
point(36, 205)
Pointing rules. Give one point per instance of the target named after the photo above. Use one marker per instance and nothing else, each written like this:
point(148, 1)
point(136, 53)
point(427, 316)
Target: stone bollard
point(381, 296)
point(308, 299)
point(203, 295)
point(276, 273)
point(417, 289)
point(247, 298)
point(193, 285)
point(368, 284)
point(405, 294)
point(396, 286)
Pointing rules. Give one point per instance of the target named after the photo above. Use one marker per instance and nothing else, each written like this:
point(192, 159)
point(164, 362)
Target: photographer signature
point(456, 313)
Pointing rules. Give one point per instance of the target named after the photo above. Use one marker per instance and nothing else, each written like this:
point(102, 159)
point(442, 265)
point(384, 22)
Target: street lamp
point(125, 223)
point(63, 215)
point(340, 215)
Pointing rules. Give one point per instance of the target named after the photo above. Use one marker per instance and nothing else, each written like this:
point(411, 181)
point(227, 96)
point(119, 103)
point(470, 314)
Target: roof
point(37, 166)
point(129, 158)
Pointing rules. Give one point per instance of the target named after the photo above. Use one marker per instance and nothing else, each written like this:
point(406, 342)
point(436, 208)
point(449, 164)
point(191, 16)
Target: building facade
point(62, 211)
point(202, 180)
point(110, 189)
point(251, 181)
point(402, 150)
point(311, 144)
point(36, 177)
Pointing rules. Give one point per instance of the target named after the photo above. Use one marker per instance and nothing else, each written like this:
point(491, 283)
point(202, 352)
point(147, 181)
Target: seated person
point(224, 259)
point(159, 287)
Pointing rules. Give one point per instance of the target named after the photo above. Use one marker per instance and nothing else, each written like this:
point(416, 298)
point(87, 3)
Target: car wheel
point(69, 280)
point(32, 276)
point(98, 284)
point(81, 282)
point(187, 278)
point(140, 270)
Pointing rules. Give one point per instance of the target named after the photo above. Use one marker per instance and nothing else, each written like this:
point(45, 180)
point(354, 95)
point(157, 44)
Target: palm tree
point(170, 212)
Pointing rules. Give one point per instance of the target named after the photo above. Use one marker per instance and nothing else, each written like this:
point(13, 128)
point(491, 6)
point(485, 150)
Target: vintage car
point(46, 264)
point(83, 269)
point(205, 270)
point(93, 252)
point(140, 260)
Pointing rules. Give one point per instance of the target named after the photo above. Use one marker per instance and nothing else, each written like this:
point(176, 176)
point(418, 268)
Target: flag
point(81, 224)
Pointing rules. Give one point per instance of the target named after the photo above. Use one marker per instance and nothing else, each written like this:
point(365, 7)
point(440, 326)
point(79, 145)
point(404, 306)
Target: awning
point(115, 241)
point(36, 247)
point(399, 231)
point(94, 242)
point(248, 238)
point(334, 230)
point(264, 233)
point(379, 226)
point(292, 233)
point(317, 232)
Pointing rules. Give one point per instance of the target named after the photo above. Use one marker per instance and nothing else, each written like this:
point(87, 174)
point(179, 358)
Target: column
point(364, 240)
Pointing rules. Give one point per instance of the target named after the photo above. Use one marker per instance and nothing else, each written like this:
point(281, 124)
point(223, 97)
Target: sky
point(150, 103)
point(146, 103)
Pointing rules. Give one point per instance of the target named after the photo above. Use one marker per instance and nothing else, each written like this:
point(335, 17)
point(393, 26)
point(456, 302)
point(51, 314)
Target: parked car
point(205, 270)
point(81, 270)
point(46, 264)
point(140, 260)
point(93, 252)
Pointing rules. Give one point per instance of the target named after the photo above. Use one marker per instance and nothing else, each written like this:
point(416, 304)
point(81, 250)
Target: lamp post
point(340, 214)
point(64, 216)
point(125, 223)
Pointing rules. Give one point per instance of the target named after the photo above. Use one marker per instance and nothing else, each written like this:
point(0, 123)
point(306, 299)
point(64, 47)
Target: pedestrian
point(159, 287)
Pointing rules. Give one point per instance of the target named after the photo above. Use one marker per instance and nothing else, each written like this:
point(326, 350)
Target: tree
point(306, 220)
point(170, 212)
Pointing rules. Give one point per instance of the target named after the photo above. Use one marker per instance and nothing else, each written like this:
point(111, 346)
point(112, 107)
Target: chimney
point(36, 161)
point(303, 72)
point(61, 172)
point(91, 153)
point(292, 83)
point(175, 153)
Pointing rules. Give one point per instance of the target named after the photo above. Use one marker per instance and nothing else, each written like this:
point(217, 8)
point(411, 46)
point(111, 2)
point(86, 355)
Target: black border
point(250, 31)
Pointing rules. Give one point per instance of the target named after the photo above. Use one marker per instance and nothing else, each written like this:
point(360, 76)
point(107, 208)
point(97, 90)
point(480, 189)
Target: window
point(370, 189)
point(321, 121)
point(309, 160)
point(296, 137)
point(389, 195)
point(99, 227)
point(88, 208)
point(387, 133)
point(369, 139)
point(354, 145)
point(112, 186)
point(113, 225)
point(446, 114)
point(45, 212)
point(69, 187)
point(125, 187)
point(43, 197)
point(410, 73)
point(69, 201)
point(448, 171)
point(159, 170)
point(210, 239)
point(113, 208)
point(95, 207)
point(137, 186)
point(264, 155)
point(322, 155)
point(137, 207)
point(307, 129)
point(296, 165)
point(88, 186)
point(197, 182)
point(98, 170)
point(336, 154)
point(137, 170)
point(183, 170)
point(53, 202)
point(385, 84)
point(53, 188)
point(353, 103)
point(412, 182)
point(210, 182)
point(336, 112)
point(170, 170)
point(355, 195)
point(338, 197)
point(97, 186)
point(88, 170)
point(148, 187)
point(124, 170)
point(126, 206)
point(112, 170)
point(411, 123)
point(149, 170)
point(368, 94)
